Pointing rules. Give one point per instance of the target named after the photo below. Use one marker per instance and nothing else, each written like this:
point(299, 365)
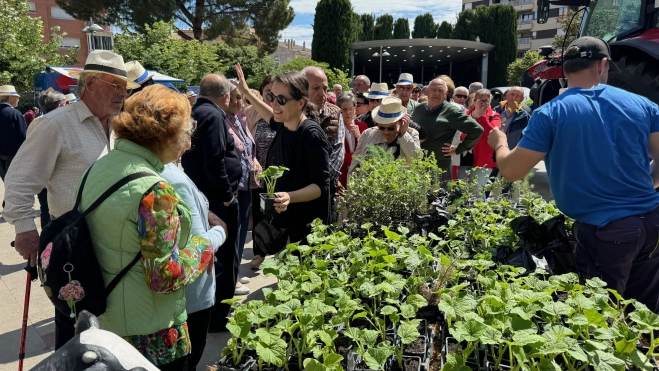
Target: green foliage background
point(402, 28)
point(335, 27)
point(518, 67)
point(424, 27)
point(334, 76)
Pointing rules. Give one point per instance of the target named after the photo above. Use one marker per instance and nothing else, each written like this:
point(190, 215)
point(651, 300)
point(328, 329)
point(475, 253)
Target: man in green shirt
point(404, 88)
point(441, 121)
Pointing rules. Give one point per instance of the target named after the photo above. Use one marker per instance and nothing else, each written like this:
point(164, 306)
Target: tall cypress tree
point(333, 32)
point(402, 29)
point(424, 27)
point(384, 27)
point(504, 36)
point(445, 30)
point(368, 27)
point(464, 27)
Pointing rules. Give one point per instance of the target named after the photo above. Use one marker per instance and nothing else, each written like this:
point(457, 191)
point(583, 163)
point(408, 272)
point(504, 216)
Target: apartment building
point(52, 15)
point(530, 34)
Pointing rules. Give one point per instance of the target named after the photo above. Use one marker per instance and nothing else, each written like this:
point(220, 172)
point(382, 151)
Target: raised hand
point(241, 84)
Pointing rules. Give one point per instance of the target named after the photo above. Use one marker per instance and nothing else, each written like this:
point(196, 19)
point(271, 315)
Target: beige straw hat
point(103, 61)
point(406, 79)
point(389, 112)
point(6, 90)
point(378, 91)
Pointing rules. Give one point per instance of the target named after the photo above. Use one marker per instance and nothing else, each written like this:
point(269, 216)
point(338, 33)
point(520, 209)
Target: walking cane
point(31, 275)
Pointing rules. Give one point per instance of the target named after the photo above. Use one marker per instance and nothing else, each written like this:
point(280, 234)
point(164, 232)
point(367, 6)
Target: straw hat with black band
point(103, 61)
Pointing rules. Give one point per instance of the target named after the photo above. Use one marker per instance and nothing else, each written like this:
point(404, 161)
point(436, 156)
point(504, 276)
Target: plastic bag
point(520, 258)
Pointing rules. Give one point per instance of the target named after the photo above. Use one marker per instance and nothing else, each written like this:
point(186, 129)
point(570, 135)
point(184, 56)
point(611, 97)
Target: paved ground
point(41, 329)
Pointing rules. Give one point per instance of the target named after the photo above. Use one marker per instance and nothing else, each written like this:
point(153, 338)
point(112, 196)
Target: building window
point(33, 7)
point(59, 13)
point(70, 42)
point(103, 43)
point(560, 31)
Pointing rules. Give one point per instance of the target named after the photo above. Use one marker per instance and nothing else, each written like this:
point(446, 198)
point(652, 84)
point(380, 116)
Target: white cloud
point(445, 10)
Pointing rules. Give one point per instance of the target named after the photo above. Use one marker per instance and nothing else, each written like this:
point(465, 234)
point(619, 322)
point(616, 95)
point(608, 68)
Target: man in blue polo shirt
point(596, 140)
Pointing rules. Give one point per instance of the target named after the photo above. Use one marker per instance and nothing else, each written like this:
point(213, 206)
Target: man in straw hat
point(12, 127)
point(404, 88)
point(137, 74)
point(392, 133)
point(375, 95)
point(59, 150)
point(192, 97)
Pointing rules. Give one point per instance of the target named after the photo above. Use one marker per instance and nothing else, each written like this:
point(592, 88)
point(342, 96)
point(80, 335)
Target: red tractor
point(631, 27)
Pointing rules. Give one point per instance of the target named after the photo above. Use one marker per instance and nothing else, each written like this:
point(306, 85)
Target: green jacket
point(441, 125)
point(132, 308)
point(411, 105)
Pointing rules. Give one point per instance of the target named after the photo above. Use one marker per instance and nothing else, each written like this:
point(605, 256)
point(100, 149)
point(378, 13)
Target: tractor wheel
point(639, 74)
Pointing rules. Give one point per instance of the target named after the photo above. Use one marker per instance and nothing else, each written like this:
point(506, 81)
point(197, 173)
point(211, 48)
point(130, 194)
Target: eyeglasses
point(483, 101)
point(118, 89)
point(461, 96)
point(387, 128)
point(359, 104)
point(281, 100)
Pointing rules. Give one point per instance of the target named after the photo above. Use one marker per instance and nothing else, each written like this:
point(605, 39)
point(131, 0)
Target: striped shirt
point(55, 155)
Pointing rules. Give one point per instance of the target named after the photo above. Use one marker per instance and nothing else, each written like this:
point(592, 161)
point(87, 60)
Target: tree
point(208, 19)
point(23, 54)
point(518, 67)
point(255, 67)
point(569, 35)
point(444, 30)
point(333, 33)
point(334, 76)
point(424, 27)
point(384, 27)
point(402, 28)
point(157, 50)
point(368, 27)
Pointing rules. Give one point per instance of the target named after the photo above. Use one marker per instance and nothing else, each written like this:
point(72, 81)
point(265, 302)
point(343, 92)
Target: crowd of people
point(186, 222)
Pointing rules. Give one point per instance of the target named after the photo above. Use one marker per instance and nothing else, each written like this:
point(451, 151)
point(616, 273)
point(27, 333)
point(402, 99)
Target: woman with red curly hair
point(145, 222)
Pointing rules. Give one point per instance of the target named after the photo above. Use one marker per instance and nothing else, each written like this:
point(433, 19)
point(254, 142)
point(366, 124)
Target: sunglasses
point(461, 96)
point(359, 104)
point(281, 100)
point(387, 128)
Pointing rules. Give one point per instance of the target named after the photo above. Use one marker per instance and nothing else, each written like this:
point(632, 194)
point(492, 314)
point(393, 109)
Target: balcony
point(524, 24)
point(523, 43)
point(520, 5)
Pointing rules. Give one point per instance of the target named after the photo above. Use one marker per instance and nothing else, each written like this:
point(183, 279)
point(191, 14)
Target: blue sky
point(301, 29)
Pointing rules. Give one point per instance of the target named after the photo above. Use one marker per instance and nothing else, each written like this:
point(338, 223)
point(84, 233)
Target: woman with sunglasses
point(302, 193)
point(391, 132)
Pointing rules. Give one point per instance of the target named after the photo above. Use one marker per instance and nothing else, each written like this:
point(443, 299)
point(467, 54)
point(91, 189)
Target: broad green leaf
point(370, 337)
point(353, 333)
point(470, 330)
point(559, 331)
point(640, 360)
point(646, 320)
point(360, 315)
point(491, 336)
point(592, 346)
point(548, 365)
point(284, 308)
point(235, 330)
point(274, 354)
point(268, 312)
point(603, 334)
point(579, 320)
point(376, 357)
point(327, 336)
point(556, 308)
point(408, 333)
point(311, 364)
point(407, 311)
point(332, 360)
point(595, 318)
point(604, 361)
point(388, 310)
point(519, 324)
point(552, 347)
point(595, 282)
point(526, 315)
point(455, 363)
point(525, 338)
point(574, 349)
point(417, 301)
point(391, 235)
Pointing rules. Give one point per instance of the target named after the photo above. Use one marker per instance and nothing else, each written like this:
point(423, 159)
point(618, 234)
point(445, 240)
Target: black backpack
point(67, 265)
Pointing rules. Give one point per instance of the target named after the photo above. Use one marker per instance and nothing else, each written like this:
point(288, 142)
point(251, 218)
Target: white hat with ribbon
point(406, 79)
point(136, 73)
point(103, 61)
point(378, 91)
point(389, 112)
point(8, 90)
point(190, 94)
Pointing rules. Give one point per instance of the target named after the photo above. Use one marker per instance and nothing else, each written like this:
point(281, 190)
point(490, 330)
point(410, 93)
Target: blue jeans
point(625, 254)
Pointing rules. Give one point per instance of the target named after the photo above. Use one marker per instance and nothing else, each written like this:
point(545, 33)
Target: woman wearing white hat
point(392, 133)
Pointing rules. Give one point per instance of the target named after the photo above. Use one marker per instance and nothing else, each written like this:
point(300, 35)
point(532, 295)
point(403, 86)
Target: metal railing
point(523, 40)
point(517, 2)
point(524, 21)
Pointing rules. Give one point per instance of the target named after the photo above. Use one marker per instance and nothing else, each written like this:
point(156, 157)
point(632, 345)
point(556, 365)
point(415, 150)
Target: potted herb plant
point(270, 176)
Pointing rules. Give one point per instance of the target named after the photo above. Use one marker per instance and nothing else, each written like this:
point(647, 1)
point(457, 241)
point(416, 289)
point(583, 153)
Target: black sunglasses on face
point(359, 104)
point(281, 100)
point(386, 128)
point(461, 96)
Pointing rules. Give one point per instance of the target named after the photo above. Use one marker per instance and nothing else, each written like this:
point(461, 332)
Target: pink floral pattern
point(72, 292)
point(45, 256)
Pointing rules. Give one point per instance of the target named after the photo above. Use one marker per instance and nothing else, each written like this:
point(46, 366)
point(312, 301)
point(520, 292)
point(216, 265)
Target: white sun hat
point(406, 79)
point(190, 94)
point(136, 73)
point(71, 98)
point(10, 90)
point(378, 91)
point(389, 112)
point(103, 61)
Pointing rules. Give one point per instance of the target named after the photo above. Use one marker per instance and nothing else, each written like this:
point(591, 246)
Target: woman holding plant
point(302, 193)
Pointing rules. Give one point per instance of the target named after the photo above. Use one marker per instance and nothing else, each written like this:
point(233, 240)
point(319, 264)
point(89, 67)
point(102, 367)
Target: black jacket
point(12, 130)
point(212, 163)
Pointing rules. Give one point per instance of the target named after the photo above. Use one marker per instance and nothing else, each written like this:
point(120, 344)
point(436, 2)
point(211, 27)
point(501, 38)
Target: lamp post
point(381, 54)
point(90, 30)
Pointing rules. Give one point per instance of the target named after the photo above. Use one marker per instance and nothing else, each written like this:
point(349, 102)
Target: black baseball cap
point(590, 48)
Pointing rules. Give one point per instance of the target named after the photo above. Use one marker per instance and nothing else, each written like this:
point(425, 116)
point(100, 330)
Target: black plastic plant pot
point(267, 204)
point(343, 345)
point(361, 323)
point(225, 364)
point(409, 364)
point(418, 348)
point(430, 313)
point(478, 357)
point(489, 366)
point(560, 295)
